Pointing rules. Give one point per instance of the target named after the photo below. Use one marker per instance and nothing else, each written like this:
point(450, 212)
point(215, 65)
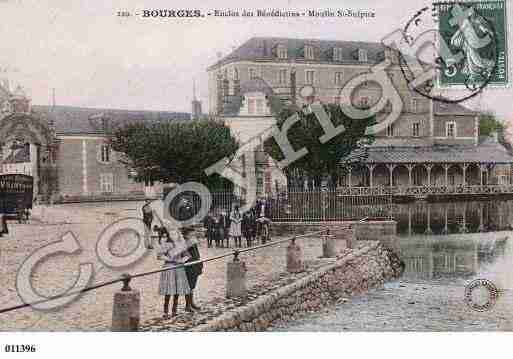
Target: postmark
point(478, 30)
point(481, 295)
point(453, 45)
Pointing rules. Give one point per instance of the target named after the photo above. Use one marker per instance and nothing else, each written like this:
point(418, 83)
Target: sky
point(93, 58)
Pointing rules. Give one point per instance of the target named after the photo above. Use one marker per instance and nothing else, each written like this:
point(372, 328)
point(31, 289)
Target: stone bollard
point(126, 308)
point(294, 258)
point(328, 246)
point(236, 278)
point(348, 235)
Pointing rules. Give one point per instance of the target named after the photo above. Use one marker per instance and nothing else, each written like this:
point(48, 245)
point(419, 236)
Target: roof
point(449, 108)
point(486, 152)
point(263, 48)
point(233, 103)
point(81, 120)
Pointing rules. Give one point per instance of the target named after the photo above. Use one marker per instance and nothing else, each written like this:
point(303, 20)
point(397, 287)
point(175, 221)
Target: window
point(260, 106)
point(235, 74)
point(252, 73)
point(104, 153)
point(310, 77)
point(309, 52)
point(251, 106)
point(390, 130)
point(107, 182)
point(338, 78)
point(362, 55)
point(337, 54)
point(282, 52)
point(414, 105)
point(282, 76)
point(450, 129)
point(416, 129)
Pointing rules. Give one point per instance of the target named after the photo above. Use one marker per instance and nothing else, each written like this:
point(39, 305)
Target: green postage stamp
point(475, 35)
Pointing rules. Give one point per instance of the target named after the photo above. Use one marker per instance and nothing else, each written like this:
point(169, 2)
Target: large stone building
point(431, 144)
point(65, 148)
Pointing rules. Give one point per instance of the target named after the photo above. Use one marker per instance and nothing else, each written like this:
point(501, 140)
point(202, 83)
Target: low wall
point(371, 230)
point(352, 274)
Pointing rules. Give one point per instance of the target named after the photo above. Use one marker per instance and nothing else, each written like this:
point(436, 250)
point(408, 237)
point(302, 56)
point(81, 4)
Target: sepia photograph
point(333, 174)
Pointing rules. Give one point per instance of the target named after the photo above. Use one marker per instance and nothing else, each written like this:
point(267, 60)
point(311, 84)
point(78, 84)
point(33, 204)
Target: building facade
point(431, 144)
point(66, 149)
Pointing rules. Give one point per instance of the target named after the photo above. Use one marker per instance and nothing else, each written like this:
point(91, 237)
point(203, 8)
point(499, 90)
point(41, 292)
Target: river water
point(445, 246)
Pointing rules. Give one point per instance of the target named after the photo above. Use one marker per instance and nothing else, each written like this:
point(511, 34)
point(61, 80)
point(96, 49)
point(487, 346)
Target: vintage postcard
point(184, 166)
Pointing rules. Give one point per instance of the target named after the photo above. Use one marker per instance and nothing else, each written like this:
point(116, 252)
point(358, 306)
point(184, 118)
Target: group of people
point(220, 227)
point(178, 246)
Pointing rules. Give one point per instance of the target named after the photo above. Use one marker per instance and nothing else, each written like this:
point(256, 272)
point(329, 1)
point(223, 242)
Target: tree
point(322, 158)
point(175, 152)
point(489, 123)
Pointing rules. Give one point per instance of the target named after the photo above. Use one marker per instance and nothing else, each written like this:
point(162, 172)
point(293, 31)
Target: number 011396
point(21, 348)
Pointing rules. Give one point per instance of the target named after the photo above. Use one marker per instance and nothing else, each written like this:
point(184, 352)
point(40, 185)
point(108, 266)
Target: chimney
point(219, 107)
point(293, 86)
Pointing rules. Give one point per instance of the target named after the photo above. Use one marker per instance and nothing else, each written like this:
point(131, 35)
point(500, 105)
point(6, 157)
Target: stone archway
point(23, 128)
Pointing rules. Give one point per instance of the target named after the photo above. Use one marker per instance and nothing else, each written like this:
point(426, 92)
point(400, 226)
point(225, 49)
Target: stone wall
point(354, 273)
point(348, 230)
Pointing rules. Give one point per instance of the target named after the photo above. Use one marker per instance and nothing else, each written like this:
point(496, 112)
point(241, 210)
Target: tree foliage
point(175, 152)
point(323, 159)
point(489, 123)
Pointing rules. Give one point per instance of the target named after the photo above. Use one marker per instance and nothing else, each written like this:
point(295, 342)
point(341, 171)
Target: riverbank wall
point(354, 272)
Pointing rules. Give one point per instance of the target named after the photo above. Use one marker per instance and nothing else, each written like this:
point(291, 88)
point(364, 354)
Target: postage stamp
point(478, 30)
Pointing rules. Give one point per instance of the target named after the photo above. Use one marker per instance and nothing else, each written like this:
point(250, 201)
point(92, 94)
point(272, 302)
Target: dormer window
point(337, 54)
point(282, 52)
point(309, 52)
point(362, 55)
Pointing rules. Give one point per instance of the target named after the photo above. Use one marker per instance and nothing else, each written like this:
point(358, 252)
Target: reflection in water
point(457, 240)
point(452, 217)
point(460, 256)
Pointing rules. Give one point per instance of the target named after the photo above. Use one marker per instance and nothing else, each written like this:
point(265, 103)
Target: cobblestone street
point(93, 310)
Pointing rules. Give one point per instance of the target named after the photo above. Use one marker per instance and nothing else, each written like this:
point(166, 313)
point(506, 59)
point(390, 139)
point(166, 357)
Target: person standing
point(235, 226)
point(3, 225)
point(218, 230)
point(147, 217)
point(245, 228)
point(224, 224)
point(173, 282)
point(195, 270)
point(210, 226)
